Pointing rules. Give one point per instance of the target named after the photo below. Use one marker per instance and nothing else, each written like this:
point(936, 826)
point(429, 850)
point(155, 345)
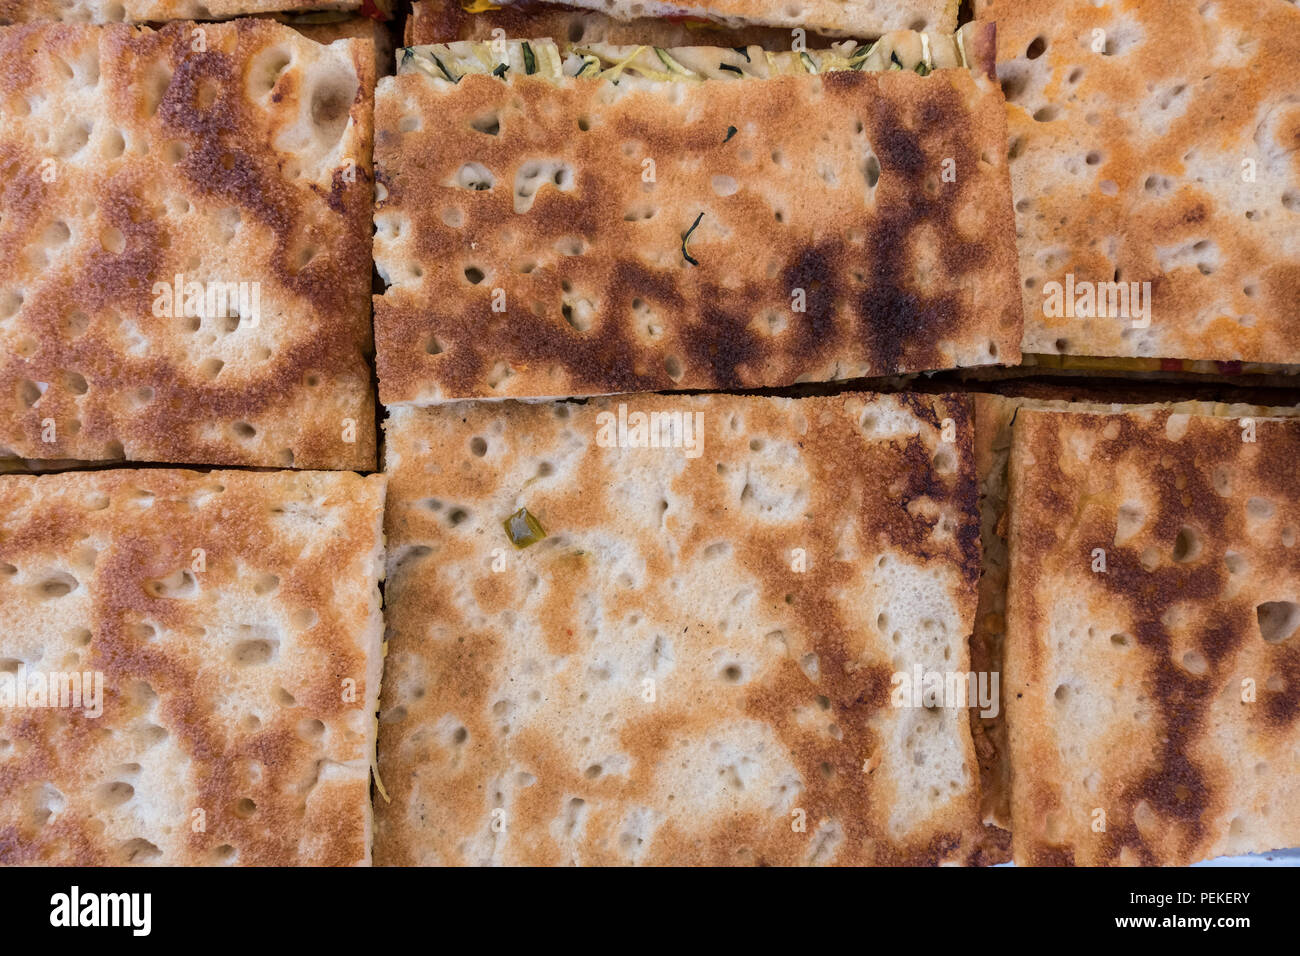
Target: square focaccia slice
point(1154, 161)
point(678, 643)
point(185, 245)
point(152, 11)
point(222, 635)
point(1151, 658)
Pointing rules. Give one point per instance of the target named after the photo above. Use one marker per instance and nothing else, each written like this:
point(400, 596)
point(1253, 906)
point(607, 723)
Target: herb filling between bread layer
point(899, 50)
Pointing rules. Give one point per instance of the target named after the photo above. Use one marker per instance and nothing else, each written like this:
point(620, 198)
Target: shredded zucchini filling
point(899, 50)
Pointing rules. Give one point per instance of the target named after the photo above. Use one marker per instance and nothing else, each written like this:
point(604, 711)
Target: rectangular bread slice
point(856, 18)
point(1151, 658)
point(445, 21)
point(548, 235)
point(1154, 141)
point(185, 264)
point(224, 630)
point(692, 658)
point(995, 417)
point(145, 11)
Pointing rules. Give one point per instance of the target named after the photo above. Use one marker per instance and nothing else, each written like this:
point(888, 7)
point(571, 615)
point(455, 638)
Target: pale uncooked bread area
point(515, 726)
point(235, 620)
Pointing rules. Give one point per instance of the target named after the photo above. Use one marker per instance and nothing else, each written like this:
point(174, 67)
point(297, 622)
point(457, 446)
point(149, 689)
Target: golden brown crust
point(522, 691)
point(146, 11)
point(1126, 688)
point(445, 21)
point(599, 296)
point(1131, 163)
point(129, 159)
point(224, 669)
point(994, 419)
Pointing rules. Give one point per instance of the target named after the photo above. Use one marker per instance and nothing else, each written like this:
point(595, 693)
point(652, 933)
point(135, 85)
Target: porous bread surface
point(1169, 157)
point(225, 689)
point(653, 682)
point(860, 18)
point(129, 159)
point(141, 11)
point(830, 184)
point(994, 419)
point(444, 21)
point(1163, 692)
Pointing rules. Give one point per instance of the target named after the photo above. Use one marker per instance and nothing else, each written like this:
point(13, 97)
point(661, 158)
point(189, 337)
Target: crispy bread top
point(827, 184)
point(858, 18)
point(1171, 157)
point(227, 613)
point(515, 726)
point(994, 420)
point(144, 11)
point(131, 159)
point(1163, 691)
point(443, 21)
